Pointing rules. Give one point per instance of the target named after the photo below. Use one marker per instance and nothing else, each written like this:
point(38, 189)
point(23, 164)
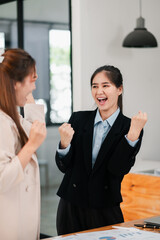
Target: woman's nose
point(100, 90)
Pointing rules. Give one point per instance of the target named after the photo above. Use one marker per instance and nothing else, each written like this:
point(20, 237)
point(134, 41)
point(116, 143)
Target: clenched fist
point(66, 133)
point(37, 134)
point(137, 123)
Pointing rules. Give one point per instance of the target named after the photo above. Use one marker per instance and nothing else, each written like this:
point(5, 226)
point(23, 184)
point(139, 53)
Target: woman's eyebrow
point(94, 83)
point(101, 83)
point(105, 82)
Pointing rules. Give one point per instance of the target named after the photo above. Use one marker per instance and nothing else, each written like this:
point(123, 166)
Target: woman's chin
point(22, 103)
point(102, 107)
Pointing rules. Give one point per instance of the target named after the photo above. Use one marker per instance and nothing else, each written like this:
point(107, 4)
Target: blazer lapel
point(109, 140)
point(87, 142)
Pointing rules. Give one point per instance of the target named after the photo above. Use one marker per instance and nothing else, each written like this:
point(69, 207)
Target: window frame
point(20, 26)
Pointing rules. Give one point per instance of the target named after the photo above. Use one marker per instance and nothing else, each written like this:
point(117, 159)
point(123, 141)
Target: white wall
point(98, 29)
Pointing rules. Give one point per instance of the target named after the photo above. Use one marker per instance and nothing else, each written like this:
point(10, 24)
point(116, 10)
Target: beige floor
point(49, 203)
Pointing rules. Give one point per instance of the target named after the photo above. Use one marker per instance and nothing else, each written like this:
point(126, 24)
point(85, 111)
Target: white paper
point(115, 234)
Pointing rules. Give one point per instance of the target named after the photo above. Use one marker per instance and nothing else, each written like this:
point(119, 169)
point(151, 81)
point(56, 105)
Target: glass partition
point(47, 39)
point(8, 25)
point(60, 75)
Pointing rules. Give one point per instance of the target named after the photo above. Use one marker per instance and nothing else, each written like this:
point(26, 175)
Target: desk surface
point(125, 224)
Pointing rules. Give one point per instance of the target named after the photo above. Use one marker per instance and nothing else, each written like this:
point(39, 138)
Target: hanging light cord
point(140, 8)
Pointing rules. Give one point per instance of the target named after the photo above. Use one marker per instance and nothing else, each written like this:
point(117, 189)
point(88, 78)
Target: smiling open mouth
point(102, 100)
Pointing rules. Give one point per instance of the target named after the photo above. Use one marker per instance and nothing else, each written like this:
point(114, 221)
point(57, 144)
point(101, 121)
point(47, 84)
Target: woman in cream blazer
point(19, 139)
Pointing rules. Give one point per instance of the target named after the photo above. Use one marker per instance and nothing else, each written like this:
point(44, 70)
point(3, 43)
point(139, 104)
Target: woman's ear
point(120, 89)
point(16, 85)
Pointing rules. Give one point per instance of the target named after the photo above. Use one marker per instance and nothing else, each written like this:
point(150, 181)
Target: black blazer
point(101, 186)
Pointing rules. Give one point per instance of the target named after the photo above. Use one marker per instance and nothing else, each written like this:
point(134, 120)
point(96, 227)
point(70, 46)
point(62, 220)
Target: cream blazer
point(19, 189)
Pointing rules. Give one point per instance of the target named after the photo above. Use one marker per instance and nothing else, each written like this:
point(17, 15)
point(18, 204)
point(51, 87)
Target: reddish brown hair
point(16, 65)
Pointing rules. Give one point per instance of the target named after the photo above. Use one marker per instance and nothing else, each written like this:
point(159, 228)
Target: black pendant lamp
point(140, 37)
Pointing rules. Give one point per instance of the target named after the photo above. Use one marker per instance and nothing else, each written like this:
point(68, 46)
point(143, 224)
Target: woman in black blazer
point(96, 150)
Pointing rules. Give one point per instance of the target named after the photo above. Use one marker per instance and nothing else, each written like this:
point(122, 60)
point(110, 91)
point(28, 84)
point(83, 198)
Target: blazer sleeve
point(124, 156)
point(11, 171)
point(63, 163)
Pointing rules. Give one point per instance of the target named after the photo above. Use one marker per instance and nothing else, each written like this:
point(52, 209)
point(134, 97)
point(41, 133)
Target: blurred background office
point(69, 39)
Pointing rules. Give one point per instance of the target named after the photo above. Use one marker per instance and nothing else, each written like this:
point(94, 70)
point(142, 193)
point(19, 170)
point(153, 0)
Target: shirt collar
point(109, 120)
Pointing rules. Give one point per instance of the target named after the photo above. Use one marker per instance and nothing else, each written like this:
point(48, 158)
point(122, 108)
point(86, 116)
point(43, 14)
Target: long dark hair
point(16, 65)
point(114, 76)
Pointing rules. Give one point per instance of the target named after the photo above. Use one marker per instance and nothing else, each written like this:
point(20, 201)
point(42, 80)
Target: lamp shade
point(140, 37)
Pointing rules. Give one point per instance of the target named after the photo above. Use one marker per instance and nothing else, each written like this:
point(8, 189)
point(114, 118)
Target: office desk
point(125, 224)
